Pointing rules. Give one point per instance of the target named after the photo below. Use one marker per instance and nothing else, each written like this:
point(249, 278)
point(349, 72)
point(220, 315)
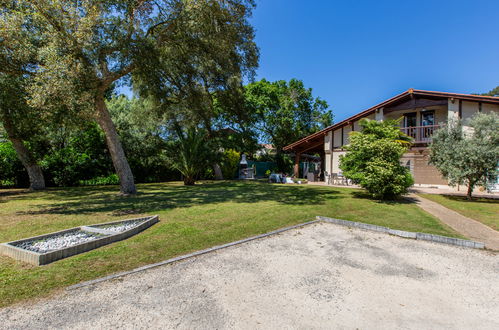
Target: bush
point(191, 153)
point(373, 159)
point(108, 180)
point(12, 172)
point(230, 163)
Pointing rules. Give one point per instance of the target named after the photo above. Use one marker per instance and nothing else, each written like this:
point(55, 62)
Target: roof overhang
point(412, 98)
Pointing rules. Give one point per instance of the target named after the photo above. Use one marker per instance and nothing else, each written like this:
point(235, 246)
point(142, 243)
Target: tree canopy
point(468, 154)
point(493, 92)
point(77, 50)
point(286, 111)
point(373, 159)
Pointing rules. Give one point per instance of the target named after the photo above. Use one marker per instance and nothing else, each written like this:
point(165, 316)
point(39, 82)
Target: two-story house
point(422, 113)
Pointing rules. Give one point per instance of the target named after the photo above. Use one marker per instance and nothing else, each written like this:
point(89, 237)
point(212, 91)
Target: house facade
point(422, 113)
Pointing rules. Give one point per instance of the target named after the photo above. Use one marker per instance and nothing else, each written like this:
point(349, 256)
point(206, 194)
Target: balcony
point(420, 134)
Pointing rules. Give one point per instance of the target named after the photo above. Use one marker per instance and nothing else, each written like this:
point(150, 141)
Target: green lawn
point(191, 218)
point(485, 210)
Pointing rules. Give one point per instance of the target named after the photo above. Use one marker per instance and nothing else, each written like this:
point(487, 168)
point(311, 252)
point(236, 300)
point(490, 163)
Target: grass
point(191, 218)
point(485, 210)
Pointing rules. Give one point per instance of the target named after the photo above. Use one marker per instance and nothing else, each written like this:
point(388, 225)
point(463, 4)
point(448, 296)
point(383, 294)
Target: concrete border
point(10, 249)
point(406, 234)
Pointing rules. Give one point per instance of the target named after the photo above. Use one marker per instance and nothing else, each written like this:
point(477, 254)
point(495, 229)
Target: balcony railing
point(420, 134)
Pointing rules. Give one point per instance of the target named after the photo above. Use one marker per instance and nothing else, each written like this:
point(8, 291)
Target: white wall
point(328, 143)
point(328, 165)
point(336, 161)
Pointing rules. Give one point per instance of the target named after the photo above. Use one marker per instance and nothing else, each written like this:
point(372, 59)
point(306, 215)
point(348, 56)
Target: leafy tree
point(18, 46)
point(76, 153)
point(11, 168)
point(285, 112)
point(197, 79)
point(468, 155)
point(493, 92)
point(144, 139)
point(89, 45)
point(373, 159)
point(191, 153)
point(21, 123)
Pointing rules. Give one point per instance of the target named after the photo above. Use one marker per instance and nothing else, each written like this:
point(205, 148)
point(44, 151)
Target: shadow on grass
point(395, 201)
point(161, 196)
point(475, 199)
point(8, 192)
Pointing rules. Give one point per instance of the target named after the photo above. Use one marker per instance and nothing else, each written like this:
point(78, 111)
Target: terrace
point(420, 134)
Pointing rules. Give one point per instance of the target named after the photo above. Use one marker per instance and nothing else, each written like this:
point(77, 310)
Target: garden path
point(463, 225)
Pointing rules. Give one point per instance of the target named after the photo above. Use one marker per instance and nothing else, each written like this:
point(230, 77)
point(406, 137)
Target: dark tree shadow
point(9, 192)
point(157, 197)
point(395, 201)
point(475, 199)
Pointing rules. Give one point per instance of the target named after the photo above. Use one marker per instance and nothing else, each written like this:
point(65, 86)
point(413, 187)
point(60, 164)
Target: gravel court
point(315, 277)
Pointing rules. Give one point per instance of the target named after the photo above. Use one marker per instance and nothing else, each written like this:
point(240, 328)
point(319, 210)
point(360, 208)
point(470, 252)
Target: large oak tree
point(20, 123)
point(18, 49)
point(90, 45)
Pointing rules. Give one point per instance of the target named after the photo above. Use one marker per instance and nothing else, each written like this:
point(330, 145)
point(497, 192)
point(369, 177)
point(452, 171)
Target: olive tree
point(468, 154)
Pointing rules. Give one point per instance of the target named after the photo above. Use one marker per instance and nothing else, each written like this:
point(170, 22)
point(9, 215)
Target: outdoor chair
point(342, 180)
point(327, 178)
point(334, 178)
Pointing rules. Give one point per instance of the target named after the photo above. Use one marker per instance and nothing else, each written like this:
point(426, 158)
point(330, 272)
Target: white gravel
point(73, 238)
point(321, 276)
point(58, 241)
point(121, 227)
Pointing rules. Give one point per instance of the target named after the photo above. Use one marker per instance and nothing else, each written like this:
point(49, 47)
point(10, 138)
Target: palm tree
point(191, 153)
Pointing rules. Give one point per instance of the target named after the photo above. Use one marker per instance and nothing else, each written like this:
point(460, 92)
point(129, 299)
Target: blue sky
point(355, 54)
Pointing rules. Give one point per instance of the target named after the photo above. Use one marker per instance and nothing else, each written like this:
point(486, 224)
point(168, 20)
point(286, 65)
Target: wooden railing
point(420, 134)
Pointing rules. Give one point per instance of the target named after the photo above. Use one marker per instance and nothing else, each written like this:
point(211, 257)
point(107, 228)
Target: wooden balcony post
point(296, 168)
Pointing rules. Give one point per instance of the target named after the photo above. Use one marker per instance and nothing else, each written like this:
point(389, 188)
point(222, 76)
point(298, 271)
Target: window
point(428, 118)
point(410, 119)
point(410, 123)
point(428, 122)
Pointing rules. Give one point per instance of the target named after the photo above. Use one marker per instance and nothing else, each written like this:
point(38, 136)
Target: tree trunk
point(189, 181)
point(36, 179)
point(127, 185)
point(470, 191)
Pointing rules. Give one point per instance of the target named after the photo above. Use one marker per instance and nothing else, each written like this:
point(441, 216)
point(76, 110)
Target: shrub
point(373, 159)
point(191, 153)
point(12, 172)
point(108, 180)
point(229, 164)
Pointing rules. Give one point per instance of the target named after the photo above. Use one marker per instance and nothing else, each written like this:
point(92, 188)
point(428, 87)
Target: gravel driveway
point(318, 276)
